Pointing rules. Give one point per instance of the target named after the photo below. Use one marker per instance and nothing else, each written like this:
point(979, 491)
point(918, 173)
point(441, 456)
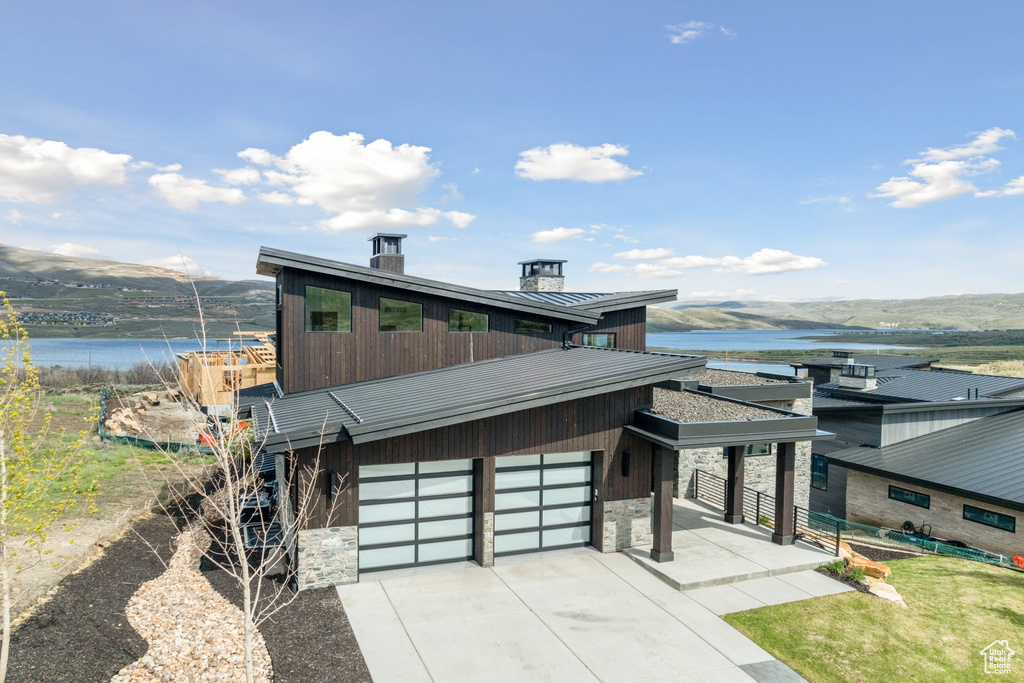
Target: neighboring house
point(941, 450)
point(452, 423)
point(826, 370)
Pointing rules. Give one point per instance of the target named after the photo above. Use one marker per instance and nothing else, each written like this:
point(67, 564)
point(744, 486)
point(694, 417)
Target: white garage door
point(541, 502)
point(415, 514)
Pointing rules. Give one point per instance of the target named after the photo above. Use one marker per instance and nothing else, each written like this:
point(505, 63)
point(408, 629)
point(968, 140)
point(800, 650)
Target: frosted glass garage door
point(541, 502)
point(415, 514)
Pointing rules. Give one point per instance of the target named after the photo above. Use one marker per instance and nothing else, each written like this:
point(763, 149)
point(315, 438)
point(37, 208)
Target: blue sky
point(750, 150)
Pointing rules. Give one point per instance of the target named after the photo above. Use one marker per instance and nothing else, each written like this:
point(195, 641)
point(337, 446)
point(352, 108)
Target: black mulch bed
point(843, 578)
point(82, 636)
point(881, 554)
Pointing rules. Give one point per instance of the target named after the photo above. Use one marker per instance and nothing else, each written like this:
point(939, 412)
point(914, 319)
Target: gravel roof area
point(685, 406)
point(727, 378)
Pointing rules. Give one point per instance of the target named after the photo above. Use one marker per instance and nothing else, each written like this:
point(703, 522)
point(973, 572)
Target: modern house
point(447, 423)
point(941, 450)
point(827, 370)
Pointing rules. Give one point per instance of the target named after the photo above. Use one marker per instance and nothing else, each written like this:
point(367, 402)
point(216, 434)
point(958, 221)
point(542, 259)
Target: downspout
point(566, 344)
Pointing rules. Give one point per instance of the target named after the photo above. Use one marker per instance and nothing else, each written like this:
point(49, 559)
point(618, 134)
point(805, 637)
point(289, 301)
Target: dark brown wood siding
point(594, 423)
point(628, 325)
point(314, 360)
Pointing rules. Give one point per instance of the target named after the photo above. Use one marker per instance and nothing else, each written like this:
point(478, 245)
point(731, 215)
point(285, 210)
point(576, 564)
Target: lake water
point(123, 353)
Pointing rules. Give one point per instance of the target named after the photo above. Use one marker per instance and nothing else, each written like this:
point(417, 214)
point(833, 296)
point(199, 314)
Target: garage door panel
point(517, 520)
point(573, 515)
point(445, 551)
point(565, 496)
point(387, 557)
point(443, 507)
point(388, 512)
point(385, 490)
point(516, 499)
point(376, 535)
point(446, 527)
point(567, 475)
point(517, 479)
point(568, 536)
point(516, 543)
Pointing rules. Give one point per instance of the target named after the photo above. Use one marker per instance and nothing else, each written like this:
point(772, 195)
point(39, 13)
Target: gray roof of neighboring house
point(927, 385)
point(823, 400)
point(881, 361)
point(383, 408)
point(271, 261)
point(984, 458)
point(598, 302)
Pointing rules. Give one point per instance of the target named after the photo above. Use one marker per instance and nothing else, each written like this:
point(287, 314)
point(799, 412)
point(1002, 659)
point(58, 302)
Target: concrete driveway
point(580, 617)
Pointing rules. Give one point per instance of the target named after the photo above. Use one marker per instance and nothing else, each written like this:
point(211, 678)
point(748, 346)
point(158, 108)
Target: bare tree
point(230, 500)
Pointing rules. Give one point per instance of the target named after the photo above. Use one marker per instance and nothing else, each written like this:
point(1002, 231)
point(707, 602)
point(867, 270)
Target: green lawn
point(955, 608)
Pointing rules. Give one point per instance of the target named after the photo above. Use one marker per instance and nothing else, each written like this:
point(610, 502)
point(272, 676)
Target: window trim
point(928, 498)
point(1013, 520)
point(487, 320)
point(380, 310)
point(305, 311)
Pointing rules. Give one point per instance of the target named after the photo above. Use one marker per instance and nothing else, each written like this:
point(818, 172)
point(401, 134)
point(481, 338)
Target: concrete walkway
point(565, 618)
point(710, 552)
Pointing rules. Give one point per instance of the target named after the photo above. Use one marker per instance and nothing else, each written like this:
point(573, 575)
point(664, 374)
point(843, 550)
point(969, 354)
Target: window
point(921, 500)
point(328, 310)
point(465, 321)
point(605, 341)
point(400, 316)
point(819, 472)
point(752, 449)
point(532, 327)
point(993, 519)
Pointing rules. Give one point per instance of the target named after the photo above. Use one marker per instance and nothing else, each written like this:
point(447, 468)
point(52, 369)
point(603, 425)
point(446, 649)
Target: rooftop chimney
point(848, 357)
point(861, 377)
point(541, 275)
point(387, 252)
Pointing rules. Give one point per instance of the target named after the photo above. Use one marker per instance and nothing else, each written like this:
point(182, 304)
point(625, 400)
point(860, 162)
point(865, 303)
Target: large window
point(921, 500)
point(465, 321)
point(989, 518)
point(400, 316)
point(532, 327)
point(752, 449)
point(606, 341)
point(328, 310)
point(819, 472)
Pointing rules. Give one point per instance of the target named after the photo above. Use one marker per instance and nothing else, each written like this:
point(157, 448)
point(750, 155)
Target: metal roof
point(984, 458)
point(928, 385)
point(597, 302)
point(271, 261)
point(392, 406)
point(881, 361)
point(823, 400)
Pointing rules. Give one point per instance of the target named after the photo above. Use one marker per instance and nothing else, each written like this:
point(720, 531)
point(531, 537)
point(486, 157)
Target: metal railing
point(828, 530)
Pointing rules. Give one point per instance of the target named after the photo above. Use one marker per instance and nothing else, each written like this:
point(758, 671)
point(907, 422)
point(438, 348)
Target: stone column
point(483, 511)
point(785, 464)
point(734, 485)
point(661, 513)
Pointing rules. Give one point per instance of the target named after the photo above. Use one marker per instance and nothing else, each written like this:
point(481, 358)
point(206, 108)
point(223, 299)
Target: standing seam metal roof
point(929, 385)
point(382, 408)
point(881, 361)
point(984, 457)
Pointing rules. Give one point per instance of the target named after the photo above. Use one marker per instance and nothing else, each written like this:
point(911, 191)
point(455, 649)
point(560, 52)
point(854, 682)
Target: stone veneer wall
point(488, 558)
point(627, 523)
point(328, 557)
point(868, 502)
point(542, 283)
point(758, 470)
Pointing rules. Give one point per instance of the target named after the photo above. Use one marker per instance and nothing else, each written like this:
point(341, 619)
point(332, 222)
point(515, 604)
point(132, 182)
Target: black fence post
point(838, 532)
point(696, 484)
point(757, 511)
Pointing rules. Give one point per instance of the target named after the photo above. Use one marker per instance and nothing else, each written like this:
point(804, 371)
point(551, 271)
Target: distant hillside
point(64, 296)
point(964, 312)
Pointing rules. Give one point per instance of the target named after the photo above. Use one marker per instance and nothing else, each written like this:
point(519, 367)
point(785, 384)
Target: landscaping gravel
point(684, 406)
point(729, 378)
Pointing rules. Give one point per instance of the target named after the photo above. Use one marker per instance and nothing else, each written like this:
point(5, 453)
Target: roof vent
point(541, 275)
point(387, 252)
point(855, 376)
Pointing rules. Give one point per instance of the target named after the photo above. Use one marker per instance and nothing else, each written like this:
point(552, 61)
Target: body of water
point(124, 353)
point(755, 340)
point(113, 353)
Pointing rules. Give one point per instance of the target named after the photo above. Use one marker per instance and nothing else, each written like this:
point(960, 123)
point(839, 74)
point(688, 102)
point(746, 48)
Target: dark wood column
point(734, 485)
point(785, 466)
point(483, 511)
point(661, 509)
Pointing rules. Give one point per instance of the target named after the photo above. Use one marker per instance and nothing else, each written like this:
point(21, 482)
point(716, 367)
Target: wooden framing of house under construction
point(210, 378)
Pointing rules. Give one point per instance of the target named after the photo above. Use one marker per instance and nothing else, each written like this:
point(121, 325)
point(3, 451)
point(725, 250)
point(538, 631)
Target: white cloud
point(239, 176)
point(681, 34)
point(626, 238)
point(186, 193)
point(642, 254)
point(652, 270)
point(277, 198)
point(942, 173)
point(71, 249)
point(182, 264)
point(601, 267)
point(452, 194)
point(435, 238)
point(565, 161)
point(14, 216)
point(713, 294)
point(763, 262)
point(37, 170)
point(558, 235)
point(144, 165)
point(364, 185)
point(1014, 187)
